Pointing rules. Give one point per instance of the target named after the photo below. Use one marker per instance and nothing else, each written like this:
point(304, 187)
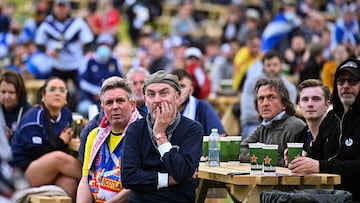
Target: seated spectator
point(196, 109)
point(136, 76)
point(200, 78)
point(13, 100)
point(40, 142)
point(279, 124)
point(336, 147)
point(107, 141)
point(270, 67)
point(340, 54)
point(162, 151)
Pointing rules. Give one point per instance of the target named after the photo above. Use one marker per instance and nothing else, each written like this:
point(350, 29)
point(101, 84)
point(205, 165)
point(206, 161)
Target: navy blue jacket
point(141, 163)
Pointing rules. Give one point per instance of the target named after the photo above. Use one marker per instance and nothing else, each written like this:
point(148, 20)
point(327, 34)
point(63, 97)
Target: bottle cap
point(214, 130)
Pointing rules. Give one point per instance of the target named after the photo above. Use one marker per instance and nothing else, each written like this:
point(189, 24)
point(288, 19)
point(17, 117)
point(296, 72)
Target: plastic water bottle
point(214, 148)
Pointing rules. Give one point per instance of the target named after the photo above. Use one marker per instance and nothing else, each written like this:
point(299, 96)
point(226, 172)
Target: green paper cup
point(270, 152)
point(294, 150)
point(256, 158)
point(205, 148)
point(234, 148)
point(224, 152)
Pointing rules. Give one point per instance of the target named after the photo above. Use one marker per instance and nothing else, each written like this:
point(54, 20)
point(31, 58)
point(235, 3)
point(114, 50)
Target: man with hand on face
point(162, 151)
point(336, 148)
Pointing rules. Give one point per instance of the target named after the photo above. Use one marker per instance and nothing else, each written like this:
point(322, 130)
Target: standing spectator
point(196, 109)
point(270, 67)
point(40, 142)
point(336, 148)
point(93, 70)
point(279, 124)
point(13, 100)
point(194, 65)
point(162, 151)
point(64, 38)
point(105, 144)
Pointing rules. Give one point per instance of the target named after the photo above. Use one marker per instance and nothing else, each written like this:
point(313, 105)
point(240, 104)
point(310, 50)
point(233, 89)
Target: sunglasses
point(350, 81)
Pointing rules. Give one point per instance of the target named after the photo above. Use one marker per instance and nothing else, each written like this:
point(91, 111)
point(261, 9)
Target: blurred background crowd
point(217, 41)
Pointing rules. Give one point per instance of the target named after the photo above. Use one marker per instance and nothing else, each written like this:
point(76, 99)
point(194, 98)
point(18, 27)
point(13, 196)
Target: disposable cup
point(256, 158)
point(270, 152)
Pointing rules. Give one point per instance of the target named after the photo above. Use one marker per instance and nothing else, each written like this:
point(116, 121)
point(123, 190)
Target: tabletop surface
point(283, 176)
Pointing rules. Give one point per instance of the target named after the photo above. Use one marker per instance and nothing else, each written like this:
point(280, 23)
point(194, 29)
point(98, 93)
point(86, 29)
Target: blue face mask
point(104, 52)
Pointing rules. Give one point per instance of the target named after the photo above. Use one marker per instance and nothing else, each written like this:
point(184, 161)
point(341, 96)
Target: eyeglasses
point(350, 81)
point(54, 89)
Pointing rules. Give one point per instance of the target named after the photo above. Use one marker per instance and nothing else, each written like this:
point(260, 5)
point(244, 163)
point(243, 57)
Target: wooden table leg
point(203, 187)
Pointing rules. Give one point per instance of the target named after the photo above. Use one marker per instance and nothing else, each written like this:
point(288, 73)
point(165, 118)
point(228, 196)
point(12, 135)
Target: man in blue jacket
point(162, 151)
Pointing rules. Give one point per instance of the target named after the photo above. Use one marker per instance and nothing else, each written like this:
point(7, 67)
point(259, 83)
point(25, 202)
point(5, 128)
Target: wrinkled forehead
point(156, 87)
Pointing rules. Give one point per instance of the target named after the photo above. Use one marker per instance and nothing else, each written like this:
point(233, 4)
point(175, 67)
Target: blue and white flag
point(279, 27)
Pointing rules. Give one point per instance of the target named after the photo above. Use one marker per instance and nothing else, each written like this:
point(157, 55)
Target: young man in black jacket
point(336, 149)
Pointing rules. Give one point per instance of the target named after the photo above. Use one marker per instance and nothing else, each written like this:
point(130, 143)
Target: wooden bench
point(49, 199)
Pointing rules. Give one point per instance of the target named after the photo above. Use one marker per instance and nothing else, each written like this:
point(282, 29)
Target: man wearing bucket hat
point(162, 151)
point(336, 149)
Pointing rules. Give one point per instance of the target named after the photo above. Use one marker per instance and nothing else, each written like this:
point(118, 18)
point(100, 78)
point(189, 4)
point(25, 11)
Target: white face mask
point(103, 52)
point(290, 16)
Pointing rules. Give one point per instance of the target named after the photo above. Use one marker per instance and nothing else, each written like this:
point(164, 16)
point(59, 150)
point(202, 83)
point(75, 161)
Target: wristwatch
point(159, 136)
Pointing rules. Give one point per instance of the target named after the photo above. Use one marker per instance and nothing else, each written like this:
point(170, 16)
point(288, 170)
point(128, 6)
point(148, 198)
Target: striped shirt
point(68, 37)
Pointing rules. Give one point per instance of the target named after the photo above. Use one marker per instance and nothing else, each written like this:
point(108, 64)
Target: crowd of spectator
point(291, 40)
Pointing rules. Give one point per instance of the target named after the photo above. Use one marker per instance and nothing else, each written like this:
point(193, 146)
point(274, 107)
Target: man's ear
point(191, 89)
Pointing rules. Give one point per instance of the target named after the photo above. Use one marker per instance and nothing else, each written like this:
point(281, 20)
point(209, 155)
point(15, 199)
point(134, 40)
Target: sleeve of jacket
point(132, 175)
point(244, 148)
point(209, 118)
point(181, 164)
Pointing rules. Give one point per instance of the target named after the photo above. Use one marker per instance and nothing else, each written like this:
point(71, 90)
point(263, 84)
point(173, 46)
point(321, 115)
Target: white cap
point(193, 51)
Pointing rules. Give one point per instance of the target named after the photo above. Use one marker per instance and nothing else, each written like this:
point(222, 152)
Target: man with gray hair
point(137, 76)
point(104, 145)
point(162, 151)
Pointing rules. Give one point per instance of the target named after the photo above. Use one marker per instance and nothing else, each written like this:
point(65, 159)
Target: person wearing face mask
point(91, 73)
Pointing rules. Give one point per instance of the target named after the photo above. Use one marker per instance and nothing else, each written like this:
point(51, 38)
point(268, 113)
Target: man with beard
point(336, 148)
